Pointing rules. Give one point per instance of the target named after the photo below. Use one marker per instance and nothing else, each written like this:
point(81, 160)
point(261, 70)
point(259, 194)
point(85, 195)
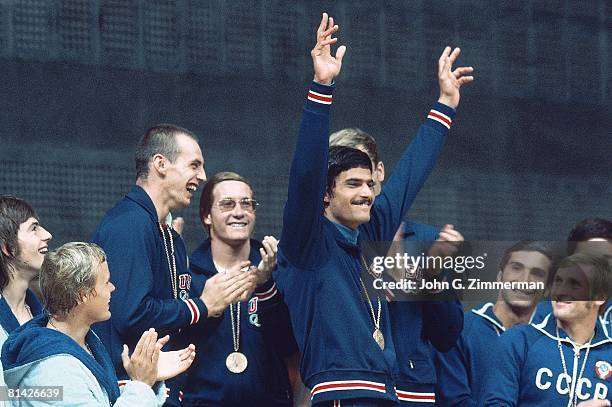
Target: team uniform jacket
point(143, 299)
point(462, 370)
point(529, 371)
point(319, 268)
point(34, 355)
point(420, 327)
point(264, 382)
point(8, 322)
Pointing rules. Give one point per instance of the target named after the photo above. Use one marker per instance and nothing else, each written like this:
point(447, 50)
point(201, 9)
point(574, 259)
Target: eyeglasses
point(228, 204)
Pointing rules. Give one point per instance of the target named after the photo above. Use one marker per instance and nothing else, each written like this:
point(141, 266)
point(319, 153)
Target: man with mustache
point(565, 359)
point(341, 327)
point(418, 326)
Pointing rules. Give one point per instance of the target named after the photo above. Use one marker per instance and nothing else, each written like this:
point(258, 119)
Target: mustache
point(362, 201)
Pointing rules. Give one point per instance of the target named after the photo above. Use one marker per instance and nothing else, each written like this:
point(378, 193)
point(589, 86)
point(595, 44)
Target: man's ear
point(499, 276)
point(159, 164)
point(327, 199)
point(6, 250)
point(380, 169)
point(207, 220)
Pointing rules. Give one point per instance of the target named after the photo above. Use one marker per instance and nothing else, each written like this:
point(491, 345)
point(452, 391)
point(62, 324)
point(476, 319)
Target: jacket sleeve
point(443, 322)
point(80, 387)
point(503, 387)
point(300, 241)
point(410, 174)
point(453, 380)
point(136, 304)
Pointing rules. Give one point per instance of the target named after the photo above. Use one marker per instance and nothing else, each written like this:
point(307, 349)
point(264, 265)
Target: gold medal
point(236, 362)
point(379, 338)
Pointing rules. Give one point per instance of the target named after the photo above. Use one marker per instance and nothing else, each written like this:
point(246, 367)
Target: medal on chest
point(377, 335)
point(236, 362)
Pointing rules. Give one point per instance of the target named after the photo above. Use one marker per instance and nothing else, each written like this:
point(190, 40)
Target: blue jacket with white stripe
point(462, 370)
point(264, 341)
point(130, 235)
point(319, 268)
point(530, 369)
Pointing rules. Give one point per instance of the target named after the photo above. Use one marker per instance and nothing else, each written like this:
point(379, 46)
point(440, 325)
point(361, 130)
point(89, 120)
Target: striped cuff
point(196, 309)
point(348, 385)
point(441, 116)
point(319, 98)
point(415, 397)
point(267, 294)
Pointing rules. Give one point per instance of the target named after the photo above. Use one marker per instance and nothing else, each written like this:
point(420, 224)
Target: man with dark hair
point(462, 370)
point(595, 230)
point(23, 244)
point(565, 359)
point(342, 329)
point(148, 258)
point(241, 356)
point(417, 325)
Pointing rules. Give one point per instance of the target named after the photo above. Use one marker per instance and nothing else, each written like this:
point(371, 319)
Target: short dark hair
point(600, 283)
point(588, 229)
point(13, 212)
point(529, 246)
point(206, 198)
point(159, 139)
point(354, 137)
point(342, 159)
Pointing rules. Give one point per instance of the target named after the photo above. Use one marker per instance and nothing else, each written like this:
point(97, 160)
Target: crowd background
point(528, 157)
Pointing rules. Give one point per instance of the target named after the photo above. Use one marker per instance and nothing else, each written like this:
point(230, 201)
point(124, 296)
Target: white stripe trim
point(605, 319)
point(441, 114)
point(194, 310)
point(273, 290)
point(323, 95)
point(540, 327)
point(323, 102)
point(481, 312)
point(349, 385)
point(442, 122)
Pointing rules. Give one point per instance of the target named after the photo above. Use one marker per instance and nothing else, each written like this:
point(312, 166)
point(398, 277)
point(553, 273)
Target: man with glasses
point(240, 356)
point(149, 259)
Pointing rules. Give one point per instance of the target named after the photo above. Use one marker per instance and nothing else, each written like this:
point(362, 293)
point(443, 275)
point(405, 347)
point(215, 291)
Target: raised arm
point(418, 159)
point(307, 179)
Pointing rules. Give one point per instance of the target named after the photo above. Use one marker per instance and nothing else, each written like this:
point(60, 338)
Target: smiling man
point(463, 369)
point(241, 356)
point(565, 359)
point(148, 258)
point(342, 330)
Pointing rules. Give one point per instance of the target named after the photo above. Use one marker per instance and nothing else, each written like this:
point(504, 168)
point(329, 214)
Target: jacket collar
point(32, 342)
point(139, 195)
point(548, 327)
point(486, 312)
point(7, 318)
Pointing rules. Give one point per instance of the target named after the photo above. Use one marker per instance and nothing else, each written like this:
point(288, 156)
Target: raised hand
point(268, 259)
point(450, 81)
point(326, 66)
